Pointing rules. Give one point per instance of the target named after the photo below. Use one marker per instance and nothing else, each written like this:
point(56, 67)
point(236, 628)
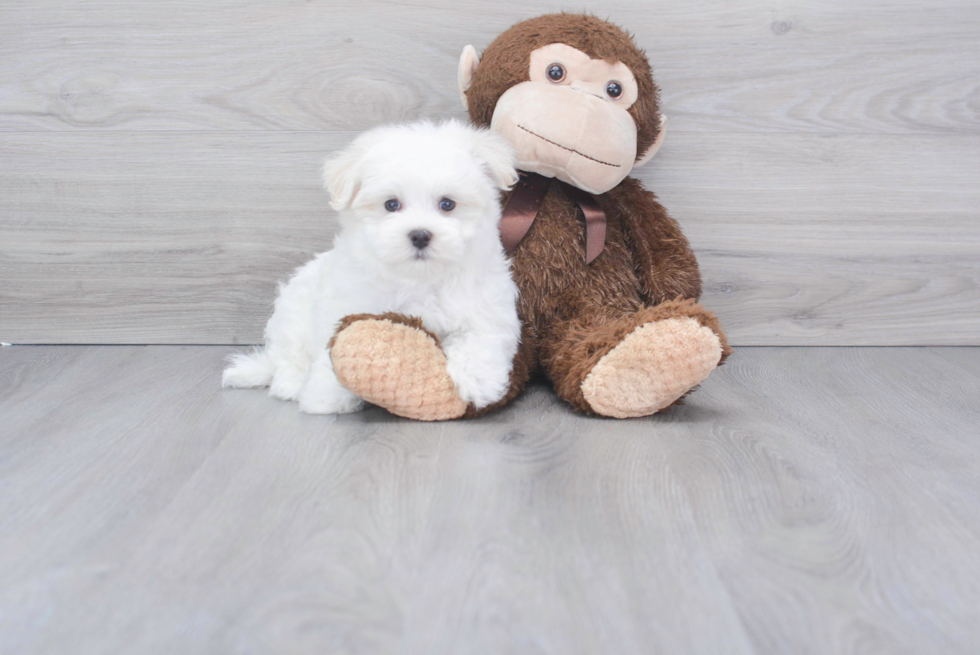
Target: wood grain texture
point(181, 237)
point(832, 240)
point(156, 237)
point(805, 500)
point(158, 161)
point(827, 67)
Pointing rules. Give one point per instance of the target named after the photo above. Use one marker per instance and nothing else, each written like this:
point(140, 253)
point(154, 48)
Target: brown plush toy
point(608, 283)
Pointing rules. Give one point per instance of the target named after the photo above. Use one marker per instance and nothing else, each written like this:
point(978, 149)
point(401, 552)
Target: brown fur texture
point(505, 63)
point(577, 312)
point(574, 313)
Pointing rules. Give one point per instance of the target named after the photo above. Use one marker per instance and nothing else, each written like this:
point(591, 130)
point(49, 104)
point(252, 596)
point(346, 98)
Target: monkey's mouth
point(572, 150)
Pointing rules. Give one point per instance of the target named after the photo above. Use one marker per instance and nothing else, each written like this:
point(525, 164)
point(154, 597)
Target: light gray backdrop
point(159, 164)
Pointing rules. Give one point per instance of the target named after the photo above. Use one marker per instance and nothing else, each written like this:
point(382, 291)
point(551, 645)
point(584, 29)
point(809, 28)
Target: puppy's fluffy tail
point(248, 370)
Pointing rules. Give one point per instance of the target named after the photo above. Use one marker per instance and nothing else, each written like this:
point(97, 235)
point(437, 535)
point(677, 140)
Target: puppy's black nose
point(420, 238)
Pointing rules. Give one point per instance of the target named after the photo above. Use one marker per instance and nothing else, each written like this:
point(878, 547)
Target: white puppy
point(419, 207)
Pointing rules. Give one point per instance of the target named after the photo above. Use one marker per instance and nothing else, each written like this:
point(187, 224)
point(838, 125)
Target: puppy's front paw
point(479, 379)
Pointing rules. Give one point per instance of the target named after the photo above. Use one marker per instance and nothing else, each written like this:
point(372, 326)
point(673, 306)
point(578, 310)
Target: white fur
point(460, 287)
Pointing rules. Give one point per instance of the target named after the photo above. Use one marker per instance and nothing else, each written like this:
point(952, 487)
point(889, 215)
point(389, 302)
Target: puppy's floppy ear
point(342, 176)
point(497, 155)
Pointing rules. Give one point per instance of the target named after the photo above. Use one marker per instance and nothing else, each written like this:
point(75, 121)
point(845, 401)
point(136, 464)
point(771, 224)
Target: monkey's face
point(570, 120)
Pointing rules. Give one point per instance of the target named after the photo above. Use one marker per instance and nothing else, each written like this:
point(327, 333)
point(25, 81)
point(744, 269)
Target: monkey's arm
point(662, 257)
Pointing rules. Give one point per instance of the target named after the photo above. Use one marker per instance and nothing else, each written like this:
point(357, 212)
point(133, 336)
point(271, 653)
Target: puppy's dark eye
point(614, 89)
point(556, 72)
point(393, 205)
point(447, 205)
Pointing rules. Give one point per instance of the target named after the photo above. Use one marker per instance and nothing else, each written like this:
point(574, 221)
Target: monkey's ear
point(342, 176)
point(468, 63)
point(498, 156)
point(655, 146)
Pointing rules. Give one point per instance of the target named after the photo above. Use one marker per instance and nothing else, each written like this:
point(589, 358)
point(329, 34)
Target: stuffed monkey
point(609, 285)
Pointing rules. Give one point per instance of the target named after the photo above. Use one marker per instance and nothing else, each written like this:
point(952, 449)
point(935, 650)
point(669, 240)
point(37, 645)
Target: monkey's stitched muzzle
point(552, 128)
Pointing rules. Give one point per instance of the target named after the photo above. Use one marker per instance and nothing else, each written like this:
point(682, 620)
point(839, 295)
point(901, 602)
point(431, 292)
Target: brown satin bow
point(525, 201)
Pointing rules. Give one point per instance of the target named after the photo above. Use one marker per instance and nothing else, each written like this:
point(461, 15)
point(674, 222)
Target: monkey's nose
point(420, 238)
point(582, 89)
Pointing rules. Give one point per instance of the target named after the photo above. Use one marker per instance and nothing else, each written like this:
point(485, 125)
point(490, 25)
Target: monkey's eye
point(556, 72)
point(614, 89)
point(392, 205)
point(447, 205)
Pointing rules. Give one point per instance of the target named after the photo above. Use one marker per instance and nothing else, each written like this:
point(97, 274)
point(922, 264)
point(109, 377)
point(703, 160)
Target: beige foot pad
point(397, 367)
point(652, 367)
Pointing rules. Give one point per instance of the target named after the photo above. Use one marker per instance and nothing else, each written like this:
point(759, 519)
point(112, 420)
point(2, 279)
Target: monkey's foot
point(393, 362)
point(652, 367)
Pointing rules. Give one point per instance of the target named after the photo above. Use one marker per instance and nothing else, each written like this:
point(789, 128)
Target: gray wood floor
point(819, 500)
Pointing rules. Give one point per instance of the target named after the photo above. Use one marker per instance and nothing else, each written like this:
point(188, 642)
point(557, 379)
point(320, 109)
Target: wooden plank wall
point(159, 160)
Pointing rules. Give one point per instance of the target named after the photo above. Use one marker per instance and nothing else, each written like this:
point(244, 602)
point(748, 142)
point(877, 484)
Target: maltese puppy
point(418, 206)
